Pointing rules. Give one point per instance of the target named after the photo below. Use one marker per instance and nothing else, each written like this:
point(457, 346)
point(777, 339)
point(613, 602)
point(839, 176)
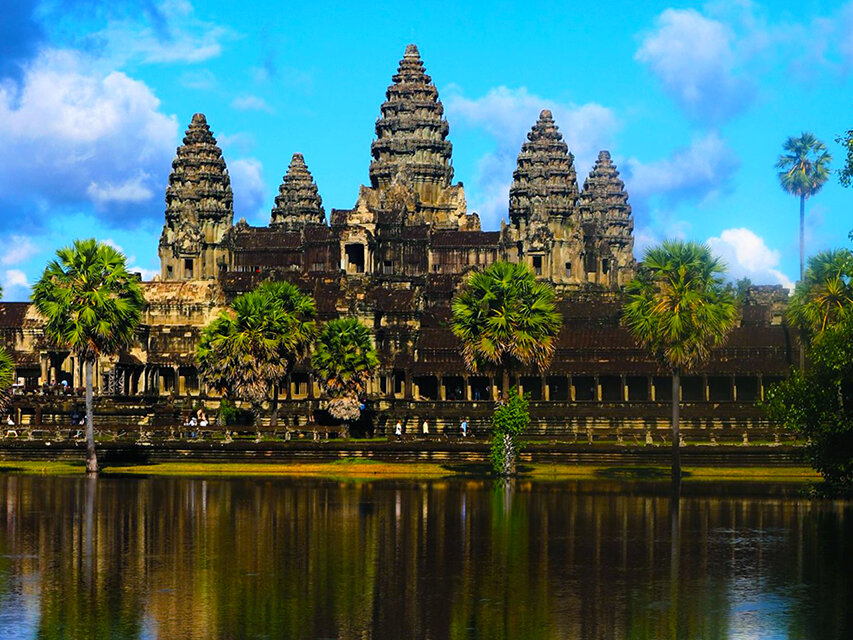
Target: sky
point(693, 100)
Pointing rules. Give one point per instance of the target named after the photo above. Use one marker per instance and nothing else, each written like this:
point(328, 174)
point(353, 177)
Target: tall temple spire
point(199, 186)
point(411, 134)
point(298, 201)
point(545, 183)
point(199, 207)
point(604, 198)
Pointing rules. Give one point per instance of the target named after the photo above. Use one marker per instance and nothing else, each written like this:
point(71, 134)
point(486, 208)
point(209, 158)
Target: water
point(284, 558)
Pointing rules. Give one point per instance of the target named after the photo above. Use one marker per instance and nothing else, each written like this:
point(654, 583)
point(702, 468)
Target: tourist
point(202, 418)
point(425, 427)
point(398, 430)
point(464, 427)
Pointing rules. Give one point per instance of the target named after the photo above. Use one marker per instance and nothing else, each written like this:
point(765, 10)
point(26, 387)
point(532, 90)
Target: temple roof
point(545, 183)
point(199, 186)
point(298, 201)
point(411, 134)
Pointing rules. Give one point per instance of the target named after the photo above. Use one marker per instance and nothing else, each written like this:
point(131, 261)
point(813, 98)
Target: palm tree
point(679, 308)
point(505, 320)
point(803, 170)
point(91, 305)
point(345, 359)
point(825, 294)
point(7, 373)
point(250, 348)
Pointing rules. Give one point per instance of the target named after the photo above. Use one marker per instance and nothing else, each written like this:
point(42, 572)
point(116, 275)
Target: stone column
point(597, 389)
point(442, 390)
point(733, 395)
point(761, 387)
point(651, 383)
point(546, 389)
point(572, 392)
point(466, 380)
point(625, 390)
point(44, 363)
point(706, 390)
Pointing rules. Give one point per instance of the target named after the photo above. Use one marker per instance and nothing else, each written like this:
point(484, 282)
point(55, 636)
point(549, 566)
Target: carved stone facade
point(396, 259)
point(199, 208)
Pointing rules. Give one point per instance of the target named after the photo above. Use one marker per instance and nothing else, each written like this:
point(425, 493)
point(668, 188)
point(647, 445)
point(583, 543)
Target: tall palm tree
point(91, 305)
point(803, 170)
point(249, 349)
point(7, 373)
point(505, 319)
point(345, 359)
point(679, 308)
point(825, 294)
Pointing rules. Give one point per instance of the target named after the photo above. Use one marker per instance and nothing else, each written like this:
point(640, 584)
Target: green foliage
point(344, 357)
point(818, 404)
point(231, 416)
point(509, 422)
point(678, 307)
point(825, 294)
point(90, 302)
point(503, 317)
point(804, 167)
point(845, 174)
point(251, 346)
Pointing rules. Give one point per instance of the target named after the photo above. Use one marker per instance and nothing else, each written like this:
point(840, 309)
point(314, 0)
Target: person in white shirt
point(425, 428)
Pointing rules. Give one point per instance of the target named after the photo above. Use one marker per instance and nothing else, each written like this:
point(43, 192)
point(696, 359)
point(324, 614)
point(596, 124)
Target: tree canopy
point(504, 317)
point(804, 165)
point(251, 346)
point(678, 306)
point(825, 294)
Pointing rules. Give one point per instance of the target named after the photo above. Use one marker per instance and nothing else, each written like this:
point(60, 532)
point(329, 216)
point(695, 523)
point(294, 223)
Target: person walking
point(464, 427)
point(425, 427)
point(398, 430)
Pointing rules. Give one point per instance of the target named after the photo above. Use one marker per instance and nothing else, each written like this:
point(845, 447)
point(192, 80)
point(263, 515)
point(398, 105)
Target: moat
point(297, 558)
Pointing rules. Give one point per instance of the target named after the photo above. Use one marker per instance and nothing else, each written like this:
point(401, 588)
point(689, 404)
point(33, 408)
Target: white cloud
point(18, 249)
point(747, 256)
point(248, 185)
point(695, 172)
point(15, 285)
point(251, 103)
point(168, 33)
point(507, 115)
point(695, 59)
point(72, 134)
point(132, 190)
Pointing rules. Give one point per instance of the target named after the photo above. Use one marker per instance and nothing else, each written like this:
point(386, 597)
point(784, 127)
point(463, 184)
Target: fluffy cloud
point(507, 115)
point(164, 33)
point(72, 135)
point(747, 256)
point(693, 173)
point(247, 182)
point(18, 249)
point(15, 285)
point(694, 57)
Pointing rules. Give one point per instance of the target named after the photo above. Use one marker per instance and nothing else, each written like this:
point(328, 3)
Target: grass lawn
point(361, 468)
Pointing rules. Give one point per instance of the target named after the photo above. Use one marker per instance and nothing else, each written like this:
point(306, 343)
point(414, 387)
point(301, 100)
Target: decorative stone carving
point(298, 201)
point(545, 183)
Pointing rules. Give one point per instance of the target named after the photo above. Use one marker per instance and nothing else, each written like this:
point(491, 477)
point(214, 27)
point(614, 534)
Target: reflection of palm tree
point(679, 308)
point(803, 170)
point(91, 304)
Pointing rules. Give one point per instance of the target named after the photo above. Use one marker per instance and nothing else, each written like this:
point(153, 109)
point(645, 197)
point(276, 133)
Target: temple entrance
point(355, 258)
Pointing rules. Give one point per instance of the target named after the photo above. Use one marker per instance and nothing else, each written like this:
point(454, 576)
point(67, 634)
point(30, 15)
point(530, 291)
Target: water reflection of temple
point(395, 260)
point(182, 558)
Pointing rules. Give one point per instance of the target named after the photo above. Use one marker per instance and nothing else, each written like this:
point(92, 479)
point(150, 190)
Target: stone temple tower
point(542, 205)
point(411, 173)
point(298, 201)
point(606, 223)
point(199, 208)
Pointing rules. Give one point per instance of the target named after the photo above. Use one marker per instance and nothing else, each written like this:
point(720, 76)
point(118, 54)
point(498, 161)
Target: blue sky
point(693, 100)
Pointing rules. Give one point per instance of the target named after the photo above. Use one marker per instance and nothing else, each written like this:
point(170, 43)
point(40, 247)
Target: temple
point(395, 259)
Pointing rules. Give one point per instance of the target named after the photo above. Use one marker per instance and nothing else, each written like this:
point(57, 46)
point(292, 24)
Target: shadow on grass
point(636, 473)
point(469, 468)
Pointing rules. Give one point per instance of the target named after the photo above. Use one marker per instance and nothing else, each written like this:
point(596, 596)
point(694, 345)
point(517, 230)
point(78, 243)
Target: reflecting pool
point(292, 558)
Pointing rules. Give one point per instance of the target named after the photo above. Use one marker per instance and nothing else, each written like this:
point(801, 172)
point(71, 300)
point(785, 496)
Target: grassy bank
point(358, 468)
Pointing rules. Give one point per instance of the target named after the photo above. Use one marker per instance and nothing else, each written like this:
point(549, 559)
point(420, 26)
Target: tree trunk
point(802, 235)
point(91, 456)
point(676, 411)
point(274, 415)
point(509, 456)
